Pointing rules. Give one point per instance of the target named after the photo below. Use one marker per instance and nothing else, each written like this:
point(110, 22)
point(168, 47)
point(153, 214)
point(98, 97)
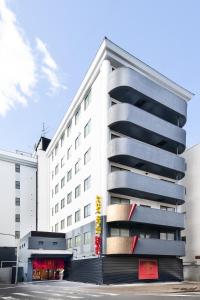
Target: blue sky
point(59, 39)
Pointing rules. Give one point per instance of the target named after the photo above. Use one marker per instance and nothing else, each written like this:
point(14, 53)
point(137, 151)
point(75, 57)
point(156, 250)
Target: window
point(145, 235)
point(77, 141)
point(62, 224)
point(87, 100)
point(77, 167)
point(17, 168)
point(62, 162)
point(69, 175)
point(56, 149)
point(55, 243)
point(56, 169)
point(87, 128)
point(52, 156)
point(87, 210)
point(17, 217)
point(168, 208)
point(56, 188)
point(62, 203)
point(17, 201)
point(52, 211)
point(87, 183)
point(69, 243)
point(56, 208)
point(62, 182)
point(52, 175)
point(40, 243)
point(17, 234)
point(69, 198)
point(167, 236)
point(69, 152)
point(77, 115)
point(77, 191)
point(77, 240)
point(86, 238)
point(87, 156)
point(69, 128)
point(117, 200)
point(17, 185)
point(56, 227)
point(119, 232)
point(77, 216)
point(69, 220)
point(62, 139)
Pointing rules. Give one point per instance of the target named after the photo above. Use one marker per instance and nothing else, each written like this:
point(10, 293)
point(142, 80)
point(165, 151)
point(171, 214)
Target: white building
point(17, 199)
point(120, 139)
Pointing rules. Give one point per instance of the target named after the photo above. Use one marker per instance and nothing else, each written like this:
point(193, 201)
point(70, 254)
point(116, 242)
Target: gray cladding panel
point(48, 243)
point(132, 184)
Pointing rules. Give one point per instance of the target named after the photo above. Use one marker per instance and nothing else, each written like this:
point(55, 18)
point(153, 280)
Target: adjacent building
point(18, 201)
point(113, 169)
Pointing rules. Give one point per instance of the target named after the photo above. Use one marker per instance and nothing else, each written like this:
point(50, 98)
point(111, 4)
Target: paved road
point(71, 290)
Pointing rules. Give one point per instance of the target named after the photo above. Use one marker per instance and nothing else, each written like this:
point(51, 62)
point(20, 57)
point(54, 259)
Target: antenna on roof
point(44, 129)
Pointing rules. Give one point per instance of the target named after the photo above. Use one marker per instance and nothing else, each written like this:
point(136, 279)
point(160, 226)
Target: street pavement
point(71, 290)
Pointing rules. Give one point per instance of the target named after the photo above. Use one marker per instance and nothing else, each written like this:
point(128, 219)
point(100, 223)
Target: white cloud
point(19, 67)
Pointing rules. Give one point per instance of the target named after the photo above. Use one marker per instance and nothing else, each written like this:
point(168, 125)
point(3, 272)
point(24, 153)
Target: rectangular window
point(17, 234)
point(69, 128)
point(69, 243)
point(62, 182)
point(56, 169)
point(62, 224)
point(77, 167)
point(56, 149)
point(77, 191)
point(17, 185)
point(69, 152)
point(62, 139)
point(77, 115)
point(52, 211)
point(87, 100)
point(56, 188)
point(87, 210)
point(62, 162)
point(87, 156)
point(77, 216)
point(17, 201)
point(40, 243)
point(56, 208)
point(87, 129)
point(69, 198)
point(77, 141)
point(69, 175)
point(62, 203)
point(117, 200)
point(87, 183)
point(55, 243)
point(52, 175)
point(77, 240)
point(17, 168)
point(86, 238)
point(119, 232)
point(56, 227)
point(17, 217)
point(168, 208)
point(167, 236)
point(69, 220)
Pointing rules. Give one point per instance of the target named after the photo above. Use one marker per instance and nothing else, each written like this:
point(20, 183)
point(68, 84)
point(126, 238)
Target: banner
point(98, 227)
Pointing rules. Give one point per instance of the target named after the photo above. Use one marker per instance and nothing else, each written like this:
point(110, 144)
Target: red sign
point(148, 269)
point(97, 245)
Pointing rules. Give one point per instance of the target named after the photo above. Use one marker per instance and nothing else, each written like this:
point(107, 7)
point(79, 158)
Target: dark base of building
point(122, 269)
point(7, 256)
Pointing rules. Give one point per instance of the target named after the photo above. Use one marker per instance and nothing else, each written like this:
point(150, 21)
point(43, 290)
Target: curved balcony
point(139, 124)
point(140, 186)
point(119, 213)
point(142, 156)
point(127, 85)
point(122, 245)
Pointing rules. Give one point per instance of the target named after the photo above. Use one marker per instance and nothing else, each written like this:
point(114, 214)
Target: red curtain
point(48, 263)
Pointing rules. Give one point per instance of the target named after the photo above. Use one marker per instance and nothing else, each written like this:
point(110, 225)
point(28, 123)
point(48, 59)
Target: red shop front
point(47, 268)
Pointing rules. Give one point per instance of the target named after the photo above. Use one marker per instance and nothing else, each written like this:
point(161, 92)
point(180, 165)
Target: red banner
point(148, 269)
point(97, 245)
point(48, 264)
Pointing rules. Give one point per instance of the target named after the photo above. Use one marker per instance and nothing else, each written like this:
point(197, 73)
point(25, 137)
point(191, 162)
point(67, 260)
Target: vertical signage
point(98, 228)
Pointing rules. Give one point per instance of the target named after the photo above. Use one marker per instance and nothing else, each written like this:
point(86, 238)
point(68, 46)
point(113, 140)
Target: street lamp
point(17, 255)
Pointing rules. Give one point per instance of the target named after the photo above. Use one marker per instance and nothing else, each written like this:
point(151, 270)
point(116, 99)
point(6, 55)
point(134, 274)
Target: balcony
point(142, 156)
point(140, 186)
point(141, 125)
point(127, 85)
point(144, 215)
point(123, 245)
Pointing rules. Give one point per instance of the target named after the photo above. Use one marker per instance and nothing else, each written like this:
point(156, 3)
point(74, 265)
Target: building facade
point(114, 165)
point(191, 209)
point(18, 201)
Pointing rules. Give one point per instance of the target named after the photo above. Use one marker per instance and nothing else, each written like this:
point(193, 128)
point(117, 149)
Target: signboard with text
point(98, 227)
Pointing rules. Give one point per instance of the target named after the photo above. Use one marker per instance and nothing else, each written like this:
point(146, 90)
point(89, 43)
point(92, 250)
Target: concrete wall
point(5, 275)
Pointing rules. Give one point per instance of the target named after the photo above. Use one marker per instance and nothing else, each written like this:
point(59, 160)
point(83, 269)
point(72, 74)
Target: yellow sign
point(98, 215)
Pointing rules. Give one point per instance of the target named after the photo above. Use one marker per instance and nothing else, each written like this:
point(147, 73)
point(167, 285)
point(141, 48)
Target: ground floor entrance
point(48, 268)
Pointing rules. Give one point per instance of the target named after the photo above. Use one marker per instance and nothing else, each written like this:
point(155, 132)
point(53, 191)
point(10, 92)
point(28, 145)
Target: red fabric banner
point(48, 263)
